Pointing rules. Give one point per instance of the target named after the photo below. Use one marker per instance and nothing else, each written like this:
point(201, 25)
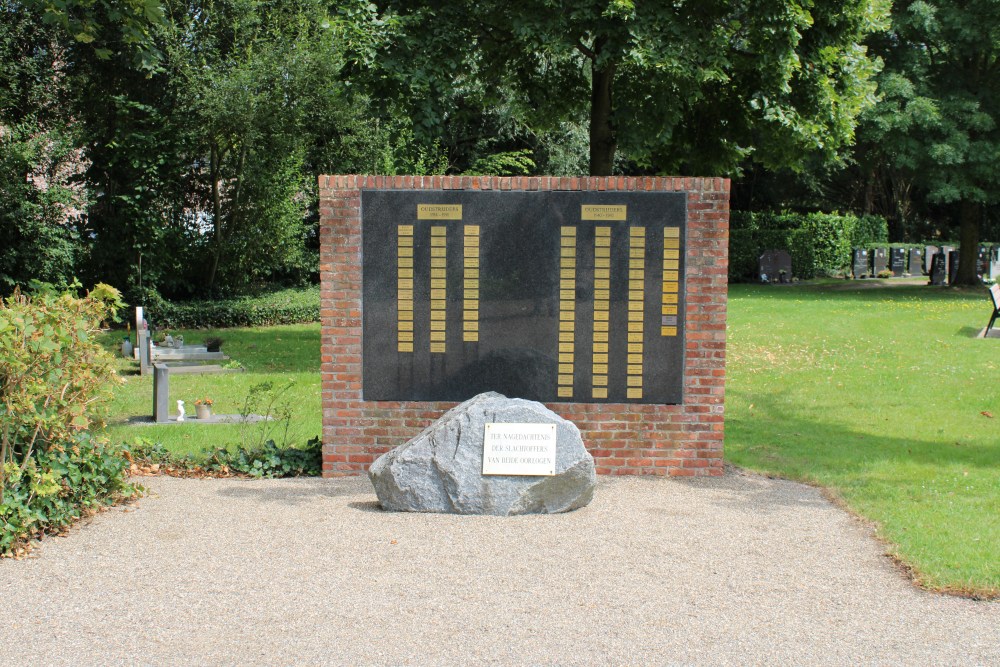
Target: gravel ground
point(737, 570)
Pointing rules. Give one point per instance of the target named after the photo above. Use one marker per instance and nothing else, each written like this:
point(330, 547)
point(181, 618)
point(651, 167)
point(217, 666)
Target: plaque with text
point(519, 449)
point(550, 296)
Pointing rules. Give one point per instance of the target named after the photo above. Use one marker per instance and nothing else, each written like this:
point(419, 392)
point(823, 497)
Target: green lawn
point(875, 393)
point(882, 396)
point(279, 355)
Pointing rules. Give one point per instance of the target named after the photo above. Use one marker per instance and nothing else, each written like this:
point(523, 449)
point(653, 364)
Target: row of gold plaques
point(470, 309)
point(671, 280)
point(602, 304)
point(567, 310)
point(439, 287)
point(404, 288)
point(636, 309)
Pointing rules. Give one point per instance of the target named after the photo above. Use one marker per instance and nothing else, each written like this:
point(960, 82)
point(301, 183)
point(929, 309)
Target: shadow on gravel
point(370, 506)
point(302, 491)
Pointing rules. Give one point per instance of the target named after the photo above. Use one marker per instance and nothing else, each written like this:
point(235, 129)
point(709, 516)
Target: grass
point(279, 355)
point(883, 396)
point(877, 394)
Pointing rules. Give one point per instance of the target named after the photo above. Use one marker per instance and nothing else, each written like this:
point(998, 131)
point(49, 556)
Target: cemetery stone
point(860, 264)
point(536, 462)
point(939, 269)
point(775, 266)
point(879, 261)
point(916, 262)
point(897, 261)
point(929, 252)
point(952, 266)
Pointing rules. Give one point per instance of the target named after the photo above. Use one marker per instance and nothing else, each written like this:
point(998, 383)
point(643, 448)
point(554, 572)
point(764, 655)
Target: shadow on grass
point(851, 291)
point(775, 439)
point(292, 349)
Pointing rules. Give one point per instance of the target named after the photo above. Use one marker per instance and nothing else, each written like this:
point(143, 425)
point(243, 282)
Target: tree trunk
point(603, 142)
point(215, 169)
point(968, 252)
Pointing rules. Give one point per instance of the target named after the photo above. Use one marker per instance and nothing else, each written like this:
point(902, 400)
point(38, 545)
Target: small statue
point(180, 411)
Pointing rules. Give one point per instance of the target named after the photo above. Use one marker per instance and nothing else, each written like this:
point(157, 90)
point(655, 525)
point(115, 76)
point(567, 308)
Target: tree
point(697, 86)
point(938, 121)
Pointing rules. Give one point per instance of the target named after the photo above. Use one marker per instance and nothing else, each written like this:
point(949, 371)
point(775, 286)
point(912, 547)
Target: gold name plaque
point(597, 212)
point(439, 211)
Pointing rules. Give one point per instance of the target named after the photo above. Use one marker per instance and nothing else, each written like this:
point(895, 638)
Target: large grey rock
point(440, 470)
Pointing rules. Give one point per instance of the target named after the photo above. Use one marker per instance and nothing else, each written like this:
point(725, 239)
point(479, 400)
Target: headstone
point(947, 249)
point(879, 261)
point(987, 264)
point(860, 263)
point(441, 469)
point(929, 252)
point(952, 266)
point(939, 269)
point(775, 266)
point(145, 352)
point(161, 387)
point(897, 261)
point(916, 263)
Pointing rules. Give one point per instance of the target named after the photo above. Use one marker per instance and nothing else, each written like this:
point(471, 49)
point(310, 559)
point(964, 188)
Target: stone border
point(624, 438)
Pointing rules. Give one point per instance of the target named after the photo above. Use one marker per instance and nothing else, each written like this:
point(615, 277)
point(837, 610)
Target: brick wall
point(627, 439)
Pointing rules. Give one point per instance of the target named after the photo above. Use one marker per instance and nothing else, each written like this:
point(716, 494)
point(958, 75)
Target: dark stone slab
point(860, 263)
point(897, 261)
point(929, 252)
point(516, 297)
point(952, 266)
point(775, 266)
point(916, 262)
point(988, 262)
point(939, 269)
point(880, 260)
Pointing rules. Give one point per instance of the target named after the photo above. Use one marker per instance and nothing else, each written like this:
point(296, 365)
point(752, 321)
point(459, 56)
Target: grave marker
point(897, 261)
point(775, 266)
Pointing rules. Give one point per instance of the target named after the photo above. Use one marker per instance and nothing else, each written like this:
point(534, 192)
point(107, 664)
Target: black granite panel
point(527, 244)
point(897, 261)
point(860, 263)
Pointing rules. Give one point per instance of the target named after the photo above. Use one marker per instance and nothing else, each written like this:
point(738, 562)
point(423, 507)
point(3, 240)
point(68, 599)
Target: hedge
point(291, 306)
point(819, 243)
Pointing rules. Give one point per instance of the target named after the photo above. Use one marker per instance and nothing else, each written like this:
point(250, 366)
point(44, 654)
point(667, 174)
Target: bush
point(54, 381)
point(819, 243)
point(291, 306)
point(268, 460)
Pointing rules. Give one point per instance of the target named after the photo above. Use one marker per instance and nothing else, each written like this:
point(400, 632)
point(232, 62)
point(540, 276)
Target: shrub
point(54, 380)
point(291, 306)
point(819, 243)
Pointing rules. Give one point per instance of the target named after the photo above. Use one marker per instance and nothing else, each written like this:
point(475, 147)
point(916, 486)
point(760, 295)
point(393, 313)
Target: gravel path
point(737, 570)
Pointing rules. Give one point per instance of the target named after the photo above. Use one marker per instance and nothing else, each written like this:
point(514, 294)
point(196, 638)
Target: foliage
point(819, 243)
point(36, 198)
point(938, 121)
point(282, 307)
point(269, 460)
point(678, 87)
point(55, 382)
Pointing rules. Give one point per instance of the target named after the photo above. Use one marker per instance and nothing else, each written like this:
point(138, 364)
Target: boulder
point(440, 470)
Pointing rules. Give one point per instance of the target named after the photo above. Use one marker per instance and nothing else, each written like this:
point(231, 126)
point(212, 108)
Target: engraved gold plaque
point(600, 380)
point(405, 336)
point(634, 381)
point(668, 331)
point(405, 325)
point(597, 212)
point(566, 336)
point(437, 325)
point(439, 252)
point(566, 347)
point(635, 359)
point(439, 294)
point(600, 326)
point(600, 369)
point(635, 326)
point(437, 347)
point(600, 347)
point(601, 336)
point(438, 336)
point(439, 211)
point(566, 368)
point(600, 392)
point(634, 392)
point(470, 337)
point(405, 230)
point(404, 347)
point(565, 392)
point(472, 230)
point(565, 379)
point(568, 231)
point(635, 347)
